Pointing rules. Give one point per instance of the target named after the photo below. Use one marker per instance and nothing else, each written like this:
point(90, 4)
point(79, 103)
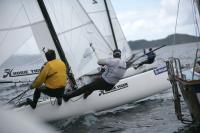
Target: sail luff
point(94, 24)
point(55, 39)
point(118, 23)
point(110, 22)
point(97, 12)
point(76, 32)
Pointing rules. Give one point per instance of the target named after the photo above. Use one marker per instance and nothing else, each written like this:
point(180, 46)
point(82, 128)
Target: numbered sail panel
point(97, 11)
point(81, 41)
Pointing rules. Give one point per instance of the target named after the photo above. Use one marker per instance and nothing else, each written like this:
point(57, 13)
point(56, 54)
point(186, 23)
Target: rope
point(174, 41)
point(20, 96)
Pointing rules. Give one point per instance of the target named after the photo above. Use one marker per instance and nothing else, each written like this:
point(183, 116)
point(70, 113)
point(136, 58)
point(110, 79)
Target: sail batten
point(75, 28)
point(20, 27)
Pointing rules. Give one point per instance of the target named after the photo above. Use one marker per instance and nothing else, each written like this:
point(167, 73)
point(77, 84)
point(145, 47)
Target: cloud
point(156, 22)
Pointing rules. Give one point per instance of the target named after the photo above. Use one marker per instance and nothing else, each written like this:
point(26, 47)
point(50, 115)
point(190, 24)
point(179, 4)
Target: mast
point(56, 40)
point(111, 26)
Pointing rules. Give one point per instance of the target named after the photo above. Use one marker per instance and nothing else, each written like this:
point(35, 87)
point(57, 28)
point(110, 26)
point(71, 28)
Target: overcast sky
point(153, 19)
point(149, 19)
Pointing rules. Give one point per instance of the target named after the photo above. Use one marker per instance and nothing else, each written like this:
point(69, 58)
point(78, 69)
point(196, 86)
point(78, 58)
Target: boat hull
point(127, 90)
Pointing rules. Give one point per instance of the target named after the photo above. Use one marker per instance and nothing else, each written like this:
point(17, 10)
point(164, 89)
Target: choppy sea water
point(154, 114)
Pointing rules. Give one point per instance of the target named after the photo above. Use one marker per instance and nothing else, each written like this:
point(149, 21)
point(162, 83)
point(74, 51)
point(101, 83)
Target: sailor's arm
point(41, 77)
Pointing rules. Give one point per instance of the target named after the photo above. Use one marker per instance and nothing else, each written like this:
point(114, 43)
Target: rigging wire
point(174, 41)
point(23, 26)
point(53, 8)
point(107, 44)
point(115, 20)
point(72, 56)
point(197, 30)
point(91, 34)
point(20, 96)
point(83, 27)
point(127, 55)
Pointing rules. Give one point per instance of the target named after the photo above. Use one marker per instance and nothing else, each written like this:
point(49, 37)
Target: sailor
point(114, 70)
point(197, 67)
point(150, 58)
point(53, 75)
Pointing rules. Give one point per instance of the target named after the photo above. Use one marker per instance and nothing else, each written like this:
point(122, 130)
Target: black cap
point(50, 55)
point(117, 53)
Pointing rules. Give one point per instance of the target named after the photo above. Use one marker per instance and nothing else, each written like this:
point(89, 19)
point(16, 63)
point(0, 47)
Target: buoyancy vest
point(115, 69)
point(53, 75)
point(151, 56)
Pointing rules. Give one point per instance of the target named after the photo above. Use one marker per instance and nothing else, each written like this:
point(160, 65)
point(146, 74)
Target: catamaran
point(68, 27)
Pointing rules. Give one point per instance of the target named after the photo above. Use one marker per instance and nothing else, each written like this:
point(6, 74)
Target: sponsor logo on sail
point(12, 73)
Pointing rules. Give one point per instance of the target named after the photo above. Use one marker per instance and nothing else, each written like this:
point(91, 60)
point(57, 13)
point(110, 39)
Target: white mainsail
point(15, 33)
point(78, 36)
point(76, 31)
point(23, 34)
point(97, 12)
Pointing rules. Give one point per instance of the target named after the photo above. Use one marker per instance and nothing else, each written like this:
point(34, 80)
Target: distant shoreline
point(169, 40)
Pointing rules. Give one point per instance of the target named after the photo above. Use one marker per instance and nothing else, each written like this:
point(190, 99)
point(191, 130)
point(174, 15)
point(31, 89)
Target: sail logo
point(160, 70)
point(11, 73)
point(116, 88)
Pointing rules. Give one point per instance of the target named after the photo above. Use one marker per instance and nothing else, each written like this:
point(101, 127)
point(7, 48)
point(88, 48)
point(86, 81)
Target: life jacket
point(53, 75)
point(151, 56)
point(115, 69)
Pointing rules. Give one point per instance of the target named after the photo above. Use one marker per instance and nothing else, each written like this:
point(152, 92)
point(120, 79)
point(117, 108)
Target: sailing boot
point(86, 94)
point(135, 67)
point(59, 101)
point(31, 103)
point(66, 98)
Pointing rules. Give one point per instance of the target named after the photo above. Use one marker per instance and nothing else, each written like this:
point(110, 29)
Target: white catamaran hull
point(126, 90)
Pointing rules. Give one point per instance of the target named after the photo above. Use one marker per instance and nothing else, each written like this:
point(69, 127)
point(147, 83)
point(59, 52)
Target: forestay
point(97, 11)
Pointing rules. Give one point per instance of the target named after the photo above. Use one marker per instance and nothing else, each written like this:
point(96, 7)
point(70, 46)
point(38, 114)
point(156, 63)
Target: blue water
point(154, 114)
